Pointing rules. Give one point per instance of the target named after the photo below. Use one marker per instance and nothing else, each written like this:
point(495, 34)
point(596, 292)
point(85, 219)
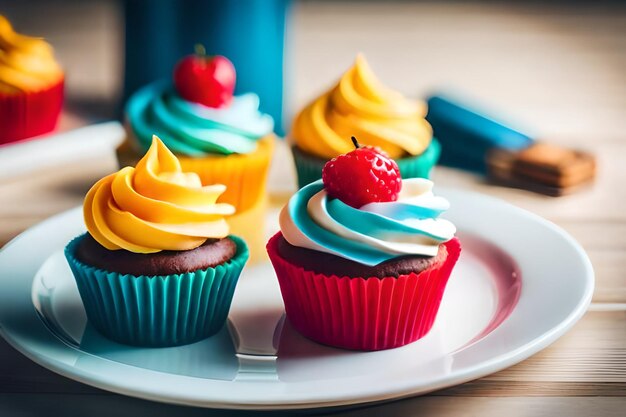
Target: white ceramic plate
point(521, 282)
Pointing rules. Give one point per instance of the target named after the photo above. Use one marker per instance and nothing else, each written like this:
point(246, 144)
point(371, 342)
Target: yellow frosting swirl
point(26, 63)
point(155, 206)
point(359, 105)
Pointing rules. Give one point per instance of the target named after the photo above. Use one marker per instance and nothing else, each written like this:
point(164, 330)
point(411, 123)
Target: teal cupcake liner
point(420, 166)
point(162, 310)
point(309, 168)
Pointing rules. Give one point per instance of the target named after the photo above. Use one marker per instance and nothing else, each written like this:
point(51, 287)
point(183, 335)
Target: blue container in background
point(251, 33)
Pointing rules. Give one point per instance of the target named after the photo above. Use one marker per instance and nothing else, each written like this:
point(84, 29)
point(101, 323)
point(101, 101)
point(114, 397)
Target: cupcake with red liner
point(31, 85)
point(363, 257)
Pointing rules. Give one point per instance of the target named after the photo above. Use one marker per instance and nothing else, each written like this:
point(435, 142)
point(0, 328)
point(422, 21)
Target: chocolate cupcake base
point(212, 253)
point(328, 264)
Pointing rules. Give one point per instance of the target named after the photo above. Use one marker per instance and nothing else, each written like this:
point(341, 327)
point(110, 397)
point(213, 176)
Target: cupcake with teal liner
point(363, 257)
point(360, 105)
point(157, 266)
point(224, 138)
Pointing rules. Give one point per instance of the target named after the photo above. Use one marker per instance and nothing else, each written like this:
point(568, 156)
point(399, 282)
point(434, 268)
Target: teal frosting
point(379, 225)
point(194, 129)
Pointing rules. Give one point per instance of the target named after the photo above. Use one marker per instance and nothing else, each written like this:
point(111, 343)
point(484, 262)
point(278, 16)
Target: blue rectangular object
point(467, 136)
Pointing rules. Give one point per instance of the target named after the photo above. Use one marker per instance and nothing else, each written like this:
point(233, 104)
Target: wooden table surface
point(561, 71)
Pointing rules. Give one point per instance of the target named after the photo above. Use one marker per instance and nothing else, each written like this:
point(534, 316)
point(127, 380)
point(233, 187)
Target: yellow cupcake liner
point(244, 175)
point(250, 225)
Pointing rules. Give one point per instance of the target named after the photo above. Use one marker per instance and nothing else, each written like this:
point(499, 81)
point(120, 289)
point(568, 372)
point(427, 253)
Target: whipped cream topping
point(373, 233)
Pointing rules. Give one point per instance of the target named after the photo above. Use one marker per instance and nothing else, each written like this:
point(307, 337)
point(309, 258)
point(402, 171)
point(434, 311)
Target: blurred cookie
point(544, 168)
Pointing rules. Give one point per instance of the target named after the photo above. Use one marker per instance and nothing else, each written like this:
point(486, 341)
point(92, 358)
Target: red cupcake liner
point(358, 313)
point(24, 115)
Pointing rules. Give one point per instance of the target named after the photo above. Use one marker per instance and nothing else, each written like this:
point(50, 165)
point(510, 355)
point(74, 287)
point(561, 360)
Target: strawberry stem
point(356, 143)
point(199, 49)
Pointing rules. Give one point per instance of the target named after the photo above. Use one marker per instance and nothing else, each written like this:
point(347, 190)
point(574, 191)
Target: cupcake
point(362, 256)
point(157, 266)
point(31, 86)
point(360, 105)
point(225, 139)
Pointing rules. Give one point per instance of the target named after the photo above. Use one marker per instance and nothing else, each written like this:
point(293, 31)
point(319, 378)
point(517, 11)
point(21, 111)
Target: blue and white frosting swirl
point(194, 129)
point(373, 233)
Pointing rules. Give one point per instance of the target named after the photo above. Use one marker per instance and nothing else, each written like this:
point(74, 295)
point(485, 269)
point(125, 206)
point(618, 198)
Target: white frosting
point(415, 192)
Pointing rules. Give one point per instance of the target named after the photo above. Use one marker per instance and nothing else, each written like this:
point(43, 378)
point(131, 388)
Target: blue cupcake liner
point(161, 310)
point(309, 168)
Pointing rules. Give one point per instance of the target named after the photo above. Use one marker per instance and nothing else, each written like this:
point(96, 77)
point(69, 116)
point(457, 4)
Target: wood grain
point(510, 407)
point(28, 405)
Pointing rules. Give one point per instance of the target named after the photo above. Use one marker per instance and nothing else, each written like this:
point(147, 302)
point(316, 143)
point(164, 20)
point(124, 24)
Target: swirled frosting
point(373, 233)
point(26, 63)
point(194, 129)
point(155, 206)
point(359, 105)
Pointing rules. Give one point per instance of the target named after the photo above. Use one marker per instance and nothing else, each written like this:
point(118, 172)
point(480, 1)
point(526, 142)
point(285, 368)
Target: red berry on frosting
point(364, 175)
point(208, 80)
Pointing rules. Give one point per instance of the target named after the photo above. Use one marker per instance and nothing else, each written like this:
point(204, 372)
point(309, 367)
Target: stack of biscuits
point(542, 167)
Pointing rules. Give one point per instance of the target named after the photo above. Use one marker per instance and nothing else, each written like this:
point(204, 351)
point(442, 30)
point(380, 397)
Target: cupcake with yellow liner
point(31, 85)
point(157, 266)
point(223, 138)
point(360, 105)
